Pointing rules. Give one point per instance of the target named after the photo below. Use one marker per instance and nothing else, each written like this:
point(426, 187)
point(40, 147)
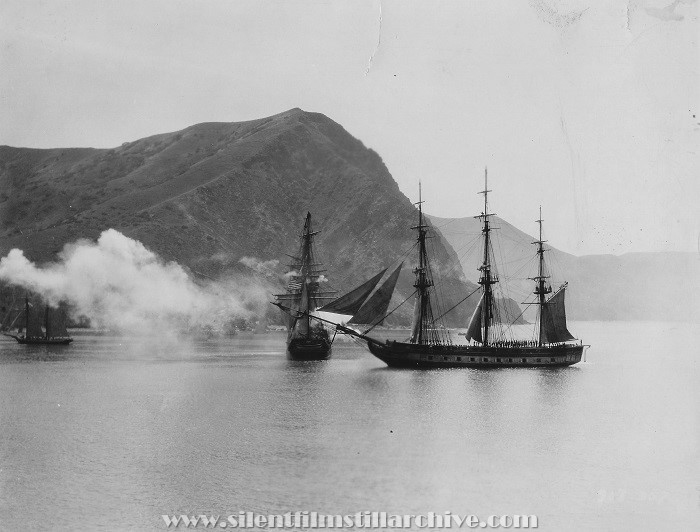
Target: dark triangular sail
point(56, 323)
point(474, 329)
point(48, 322)
point(554, 320)
point(351, 302)
point(34, 320)
point(374, 309)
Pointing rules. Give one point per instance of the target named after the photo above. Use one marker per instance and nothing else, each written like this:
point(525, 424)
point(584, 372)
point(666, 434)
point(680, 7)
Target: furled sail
point(474, 329)
point(351, 302)
point(415, 331)
point(554, 319)
point(373, 311)
point(302, 323)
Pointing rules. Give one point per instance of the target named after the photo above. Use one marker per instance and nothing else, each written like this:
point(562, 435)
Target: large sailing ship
point(307, 338)
point(41, 327)
point(430, 345)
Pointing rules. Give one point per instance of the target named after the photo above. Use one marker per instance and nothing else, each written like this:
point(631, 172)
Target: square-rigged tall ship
point(307, 338)
point(430, 345)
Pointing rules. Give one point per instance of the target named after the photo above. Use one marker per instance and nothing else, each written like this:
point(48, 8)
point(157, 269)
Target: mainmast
point(303, 289)
point(306, 273)
point(541, 288)
point(487, 278)
point(423, 281)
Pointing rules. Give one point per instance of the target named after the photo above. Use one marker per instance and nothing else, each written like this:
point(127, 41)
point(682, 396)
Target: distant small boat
point(307, 338)
point(53, 332)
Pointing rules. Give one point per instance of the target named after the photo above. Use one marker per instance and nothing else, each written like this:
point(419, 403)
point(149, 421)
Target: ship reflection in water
point(133, 429)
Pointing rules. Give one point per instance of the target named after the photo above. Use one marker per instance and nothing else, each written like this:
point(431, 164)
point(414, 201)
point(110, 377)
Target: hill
point(633, 286)
point(214, 193)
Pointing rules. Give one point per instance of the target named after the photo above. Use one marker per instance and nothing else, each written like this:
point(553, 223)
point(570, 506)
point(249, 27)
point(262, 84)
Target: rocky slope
point(214, 193)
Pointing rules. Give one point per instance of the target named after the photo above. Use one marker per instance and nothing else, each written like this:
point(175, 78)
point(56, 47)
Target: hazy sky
point(589, 108)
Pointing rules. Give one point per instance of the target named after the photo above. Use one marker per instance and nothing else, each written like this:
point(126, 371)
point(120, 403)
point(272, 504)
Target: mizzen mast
point(541, 288)
point(487, 277)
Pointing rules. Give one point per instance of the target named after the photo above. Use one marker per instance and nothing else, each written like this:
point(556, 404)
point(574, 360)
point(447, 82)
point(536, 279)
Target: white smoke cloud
point(118, 283)
point(265, 267)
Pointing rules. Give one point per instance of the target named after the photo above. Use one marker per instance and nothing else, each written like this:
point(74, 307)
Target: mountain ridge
point(215, 192)
point(601, 286)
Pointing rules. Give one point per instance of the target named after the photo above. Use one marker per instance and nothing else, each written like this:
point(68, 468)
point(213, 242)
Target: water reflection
point(232, 424)
point(554, 384)
point(14, 352)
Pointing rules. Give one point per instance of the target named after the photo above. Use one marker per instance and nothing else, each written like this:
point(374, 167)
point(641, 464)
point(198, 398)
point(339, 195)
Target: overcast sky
point(589, 108)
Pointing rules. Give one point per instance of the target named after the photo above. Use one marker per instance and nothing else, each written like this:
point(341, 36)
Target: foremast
point(309, 275)
point(303, 294)
point(424, 329)
point(488, 277)
point(305, 273)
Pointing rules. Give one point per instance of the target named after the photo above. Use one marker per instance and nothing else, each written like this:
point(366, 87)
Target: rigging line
point(464, 233)
point(462, 301)
point(467, 249)
point(390, 313)
point(505, 289)
point(467, 259)
point(443, 278)
point(519, 294)
point(557, 267)
point(402, 257)
point(524, 265)
point(439, 299)
point(517, 241)
point(469, 242)
point(444, 225)
point(514, 261)
point(519, 315)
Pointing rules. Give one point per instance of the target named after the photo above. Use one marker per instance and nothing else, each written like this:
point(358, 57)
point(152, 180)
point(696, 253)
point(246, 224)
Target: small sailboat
point(307, 337)
point(42, 327)
point(430, 344)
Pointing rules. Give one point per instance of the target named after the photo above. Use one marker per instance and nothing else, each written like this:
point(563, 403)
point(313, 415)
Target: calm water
point(110, 433)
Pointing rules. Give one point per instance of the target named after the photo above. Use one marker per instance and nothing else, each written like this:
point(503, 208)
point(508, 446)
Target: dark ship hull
point(312, 348)
point(421, 356)
point(40, 340)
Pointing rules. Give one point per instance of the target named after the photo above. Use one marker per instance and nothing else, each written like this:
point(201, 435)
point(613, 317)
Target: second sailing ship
point(307, 338)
